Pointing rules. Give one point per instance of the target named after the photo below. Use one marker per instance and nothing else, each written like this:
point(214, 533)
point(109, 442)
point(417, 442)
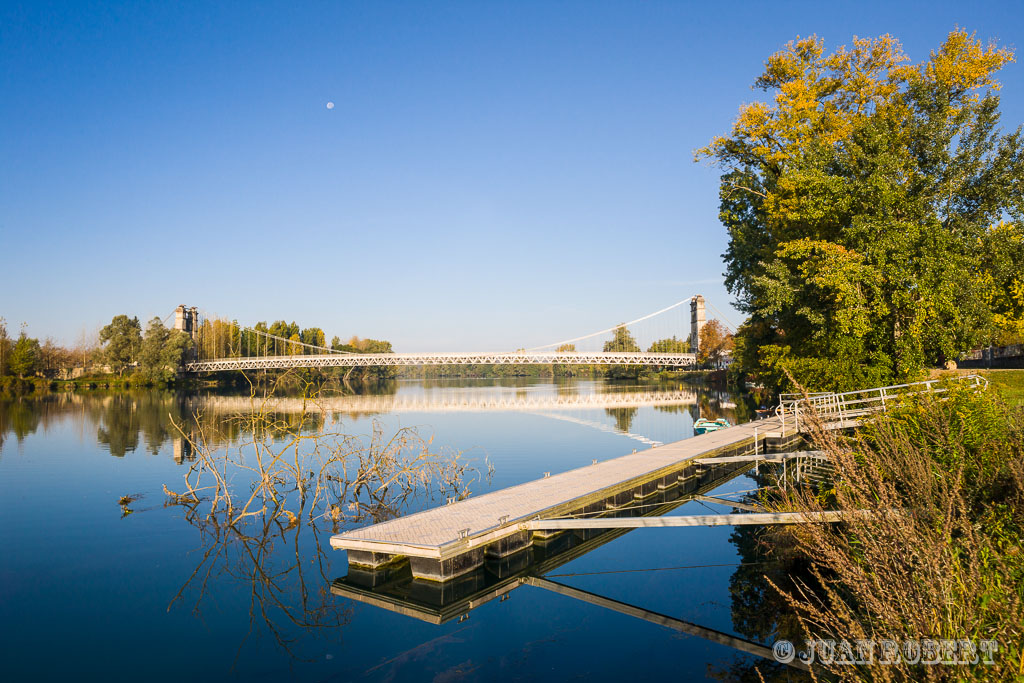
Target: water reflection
point(395, 589)
point(271, 581)
point(280, 565)
point(757, 608)
point(127, 421)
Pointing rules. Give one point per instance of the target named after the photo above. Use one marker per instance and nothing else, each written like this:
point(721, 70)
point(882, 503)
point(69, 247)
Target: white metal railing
point(384, 359)
point(850, 406)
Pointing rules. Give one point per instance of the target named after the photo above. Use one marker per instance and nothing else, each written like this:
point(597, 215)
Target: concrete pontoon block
point(429, 569)
point(371, 560)
point(508, 545)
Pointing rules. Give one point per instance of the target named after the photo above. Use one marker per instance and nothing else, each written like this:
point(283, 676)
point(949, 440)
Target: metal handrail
point(860, 402)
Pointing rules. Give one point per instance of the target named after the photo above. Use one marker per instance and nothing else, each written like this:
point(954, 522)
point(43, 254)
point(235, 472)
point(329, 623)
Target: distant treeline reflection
point(128, 421)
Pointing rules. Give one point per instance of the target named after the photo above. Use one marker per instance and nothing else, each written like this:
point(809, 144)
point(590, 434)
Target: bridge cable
point(729, 325)
point(612, 329)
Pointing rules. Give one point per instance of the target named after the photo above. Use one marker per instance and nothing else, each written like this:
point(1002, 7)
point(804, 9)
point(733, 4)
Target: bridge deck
point(348, 360)
point(456, 529)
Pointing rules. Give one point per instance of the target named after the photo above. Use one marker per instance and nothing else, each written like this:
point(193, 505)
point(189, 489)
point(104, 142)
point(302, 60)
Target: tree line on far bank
point(155, 355)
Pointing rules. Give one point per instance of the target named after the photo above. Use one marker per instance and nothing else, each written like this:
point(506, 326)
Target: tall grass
point(943, 557)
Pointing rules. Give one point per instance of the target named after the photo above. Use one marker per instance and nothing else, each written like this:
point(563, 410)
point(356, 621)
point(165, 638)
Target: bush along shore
point(937, 558)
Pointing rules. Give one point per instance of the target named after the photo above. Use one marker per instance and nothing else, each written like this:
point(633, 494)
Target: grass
point(1009, 382)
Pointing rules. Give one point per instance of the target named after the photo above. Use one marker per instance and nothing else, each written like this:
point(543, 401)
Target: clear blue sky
point(493, 175)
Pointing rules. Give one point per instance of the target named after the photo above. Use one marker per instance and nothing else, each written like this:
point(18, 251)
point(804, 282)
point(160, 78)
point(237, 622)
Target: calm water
point(88, 589)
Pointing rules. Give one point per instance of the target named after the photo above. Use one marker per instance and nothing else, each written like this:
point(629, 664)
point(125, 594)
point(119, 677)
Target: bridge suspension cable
point(612, 329)
point(725, 321)
point(286, 343)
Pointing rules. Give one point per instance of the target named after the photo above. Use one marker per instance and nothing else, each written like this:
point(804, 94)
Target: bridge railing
point(848, 407)
point(461, 358)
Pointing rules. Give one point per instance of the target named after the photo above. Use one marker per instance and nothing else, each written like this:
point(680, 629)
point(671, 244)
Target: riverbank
point(14, 386)
point(941, 559)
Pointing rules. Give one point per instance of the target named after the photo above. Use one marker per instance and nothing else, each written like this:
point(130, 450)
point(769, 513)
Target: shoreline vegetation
point(941, 558)
point(876, 237)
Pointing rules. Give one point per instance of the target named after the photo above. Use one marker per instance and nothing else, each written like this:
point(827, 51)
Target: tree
point(565, 370)
point(163, 351)
point(25, 356)
point(172, 358)
point(122, 339)
point(671, 345)
point(53, 358)
point(5, 347)
point(1003, 274)
point(714, 343)
point(622, 341)
point(152, 348)
point(870, 184)
point(313, 336)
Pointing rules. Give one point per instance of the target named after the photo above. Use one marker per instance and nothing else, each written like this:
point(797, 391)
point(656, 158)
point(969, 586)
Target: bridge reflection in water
point(574, 403)
point(462, 399)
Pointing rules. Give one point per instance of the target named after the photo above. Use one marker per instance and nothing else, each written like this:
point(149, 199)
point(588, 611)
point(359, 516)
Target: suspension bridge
point(671, 338)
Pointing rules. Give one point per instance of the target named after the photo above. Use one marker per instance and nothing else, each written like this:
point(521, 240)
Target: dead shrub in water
point(292, 466)
point(942, 557)
point(259, 502)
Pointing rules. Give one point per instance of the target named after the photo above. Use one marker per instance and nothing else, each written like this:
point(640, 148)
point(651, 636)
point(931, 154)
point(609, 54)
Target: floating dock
point(447, 542)
point(394, 588)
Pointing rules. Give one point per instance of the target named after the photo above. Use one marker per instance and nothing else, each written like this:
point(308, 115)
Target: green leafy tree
point(163, 351)
point(6, 346)
point(622, 341)
point(172, 357)
point(313, 336)
point(858, 203)
point(152, 348)
point(122, 339)
point(670, 345)
point(25, 356)
point(1003, 280)
point(564, 369)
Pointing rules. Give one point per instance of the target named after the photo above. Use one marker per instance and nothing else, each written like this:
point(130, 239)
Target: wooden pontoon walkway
point(450, 540)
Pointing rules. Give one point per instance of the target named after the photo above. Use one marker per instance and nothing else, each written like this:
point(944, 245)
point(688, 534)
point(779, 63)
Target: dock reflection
point(393, 587)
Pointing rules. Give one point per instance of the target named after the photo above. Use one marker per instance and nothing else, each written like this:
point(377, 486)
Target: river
point(146, 589)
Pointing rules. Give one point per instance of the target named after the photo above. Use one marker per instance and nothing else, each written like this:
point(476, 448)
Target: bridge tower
point(697, 320)
point(187, 320)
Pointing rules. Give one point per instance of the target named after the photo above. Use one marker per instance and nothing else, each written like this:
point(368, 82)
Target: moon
point(330, 105)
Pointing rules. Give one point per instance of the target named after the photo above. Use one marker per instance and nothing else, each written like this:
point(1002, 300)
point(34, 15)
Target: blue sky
point(493, 175)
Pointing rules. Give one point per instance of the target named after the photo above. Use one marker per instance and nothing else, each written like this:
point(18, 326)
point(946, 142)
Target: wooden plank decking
point(453, 530)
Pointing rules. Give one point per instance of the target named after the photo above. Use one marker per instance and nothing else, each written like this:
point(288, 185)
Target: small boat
point(703, 425)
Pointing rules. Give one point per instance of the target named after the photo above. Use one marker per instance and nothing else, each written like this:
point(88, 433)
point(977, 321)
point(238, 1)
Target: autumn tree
point(715, 342)
point(1003, 279)
point(858, 204)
